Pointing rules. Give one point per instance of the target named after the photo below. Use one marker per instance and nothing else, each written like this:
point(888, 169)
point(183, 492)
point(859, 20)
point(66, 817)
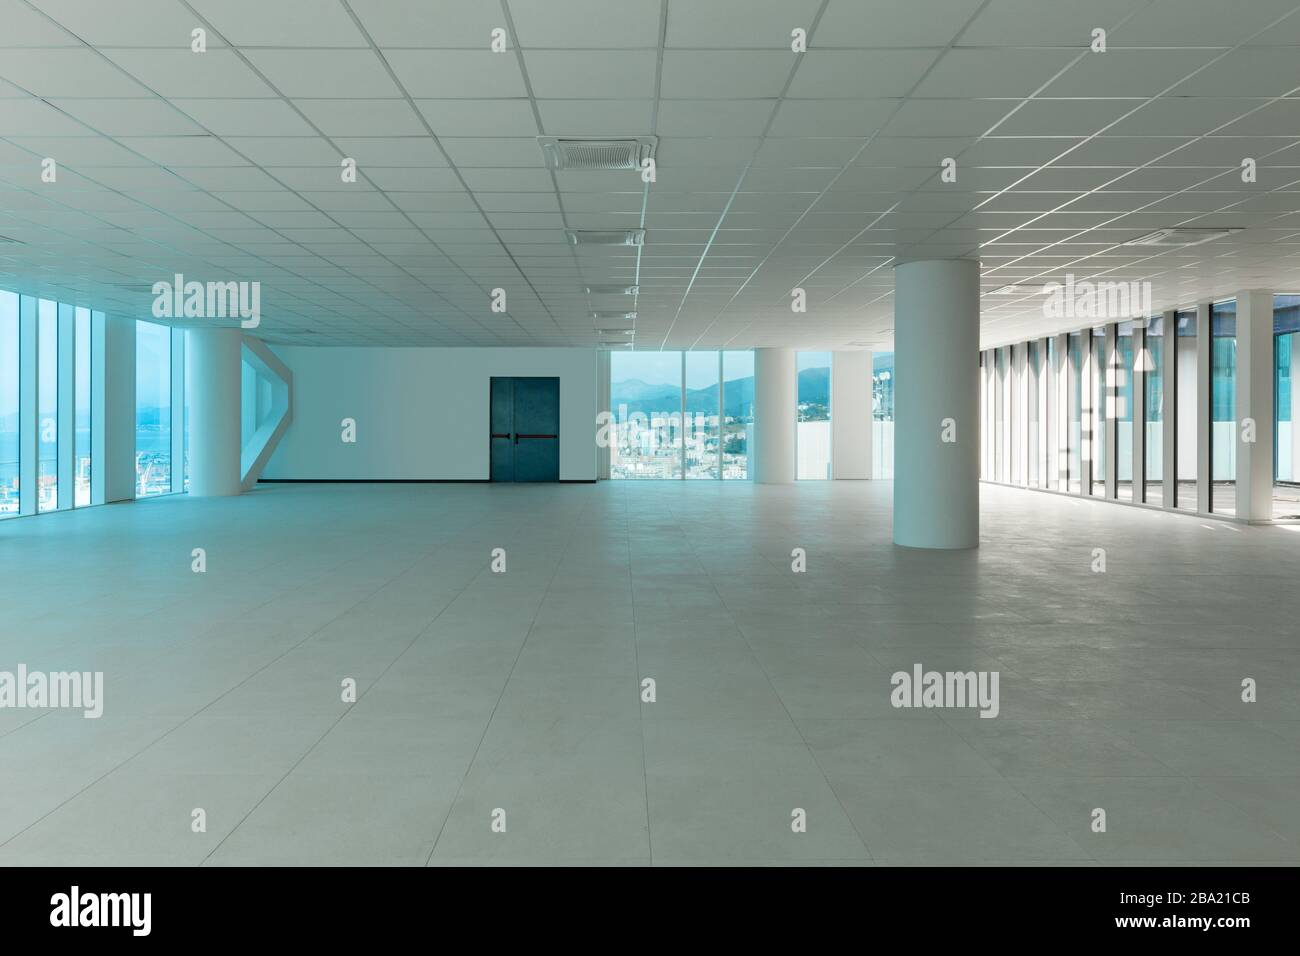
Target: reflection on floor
point(514, 701)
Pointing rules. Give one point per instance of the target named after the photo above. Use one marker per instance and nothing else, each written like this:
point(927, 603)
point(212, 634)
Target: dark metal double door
point(525, 429)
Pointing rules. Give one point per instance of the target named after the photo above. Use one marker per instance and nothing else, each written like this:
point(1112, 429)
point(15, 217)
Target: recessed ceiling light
point(613, 314)
point(612, 289)
point(616, 331)
point(574, 152)
point(1180, 237)
point(605, 237)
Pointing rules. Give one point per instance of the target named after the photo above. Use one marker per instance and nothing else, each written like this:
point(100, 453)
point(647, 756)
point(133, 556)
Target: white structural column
point(776, 400)
point(851, 414)
point(215, 391)
point(936, 440)
point(1255, 371)
point(604, 424)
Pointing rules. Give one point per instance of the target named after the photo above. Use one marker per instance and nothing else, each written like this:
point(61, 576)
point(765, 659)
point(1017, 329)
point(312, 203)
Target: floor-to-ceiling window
point(882, 415)
point(1032, 446)
point(9, 403)
point(81, 403)
point(1123, 391)
point(1185, 398)
point(681, 415)
point(999, 415)
point(153, 409)
point(1223, 407)
point(47, 405)
point(1097, 412)
point(986, 473)
point(702, 436)
point(1008, 414)
point(1054, 455)
point(1075, 432)
point(737, 412)
point(1153, 407)
point(1286, 406)
point(813, 438)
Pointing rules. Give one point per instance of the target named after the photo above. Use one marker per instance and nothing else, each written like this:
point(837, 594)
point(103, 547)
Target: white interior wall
point(422, 413)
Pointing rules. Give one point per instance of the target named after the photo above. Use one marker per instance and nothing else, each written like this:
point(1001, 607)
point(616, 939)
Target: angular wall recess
point(267, 408)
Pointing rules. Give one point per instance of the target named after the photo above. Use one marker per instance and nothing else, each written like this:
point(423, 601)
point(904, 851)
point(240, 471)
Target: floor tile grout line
point(640, 707)
point(768, 677)
point(460, 787)
point(177, 726)
point(339, 719)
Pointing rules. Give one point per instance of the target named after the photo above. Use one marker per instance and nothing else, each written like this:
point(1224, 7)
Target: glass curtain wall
point(1154, 410)
point(1075, 433)
point(47, 357)
point(1223, 408)
point(9, 398)
point(681, 414)
point(81, 402)
point(1033, 415)
point(47, 406)
point(813, 437)
point(1122, 386)
point(702, 432)
point(1185, 398)
point(882, 415)
point(1098, 392)
point(737, 413)
point(1286, 406)
point(153, 410)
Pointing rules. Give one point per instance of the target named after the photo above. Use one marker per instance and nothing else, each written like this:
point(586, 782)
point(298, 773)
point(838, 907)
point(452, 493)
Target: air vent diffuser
point(1180, 237)
point(596, 237)
point(572, 152)
point(612, 289)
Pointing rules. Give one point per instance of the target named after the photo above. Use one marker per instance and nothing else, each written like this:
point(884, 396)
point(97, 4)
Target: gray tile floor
point(520, 692)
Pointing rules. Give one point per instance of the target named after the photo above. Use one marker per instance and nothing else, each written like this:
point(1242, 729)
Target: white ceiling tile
point(623, 74)
point(848, 74)
point(362, 117)
point(714, 117)
point(175, 73)
point(593, 24)
point(391, 151)
point(596, 117)
point(479, 117)
point(245, 117)
point(128, 117)
point(466, 24)
point(720, 74)
point(151, 23)
point(476, 74)
point(55, 73)
point(301, 23)
point(719, 24)
point(325, 73)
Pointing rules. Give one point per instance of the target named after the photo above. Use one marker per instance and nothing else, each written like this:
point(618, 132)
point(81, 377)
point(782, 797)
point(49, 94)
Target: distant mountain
point(815, 386)
point(639, 396)
point(634, 390)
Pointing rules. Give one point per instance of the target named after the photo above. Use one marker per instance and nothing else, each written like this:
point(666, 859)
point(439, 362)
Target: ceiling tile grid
point(775, 169)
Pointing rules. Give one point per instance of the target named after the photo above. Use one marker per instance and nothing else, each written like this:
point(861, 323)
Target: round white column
point(213, 365)
point(936, 400)
point(776, 399)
